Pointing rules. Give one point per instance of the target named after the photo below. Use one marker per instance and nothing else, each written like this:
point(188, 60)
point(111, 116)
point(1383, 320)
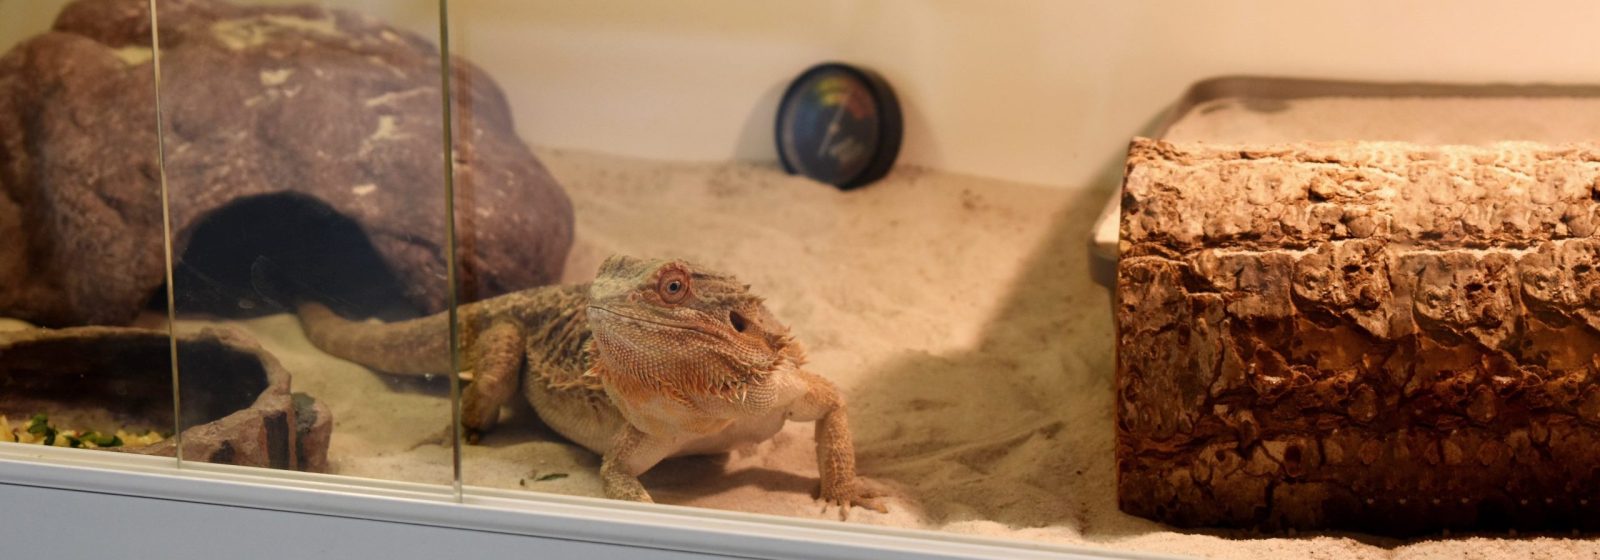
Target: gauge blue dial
point(840, 125)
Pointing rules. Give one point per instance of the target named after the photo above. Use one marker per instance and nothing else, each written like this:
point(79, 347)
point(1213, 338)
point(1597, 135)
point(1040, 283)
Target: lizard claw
point(850, 494)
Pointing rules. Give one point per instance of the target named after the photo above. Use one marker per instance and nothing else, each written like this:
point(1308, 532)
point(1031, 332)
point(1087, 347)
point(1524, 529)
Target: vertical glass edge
point(166, 234)
point(451, 292)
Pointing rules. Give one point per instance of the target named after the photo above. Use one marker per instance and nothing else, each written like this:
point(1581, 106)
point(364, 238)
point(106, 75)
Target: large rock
point(315, 133)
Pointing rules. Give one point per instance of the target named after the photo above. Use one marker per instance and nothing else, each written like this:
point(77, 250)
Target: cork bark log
point(1376, 336)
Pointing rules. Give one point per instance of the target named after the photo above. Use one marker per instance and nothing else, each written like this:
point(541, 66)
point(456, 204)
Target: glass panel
point(662, 319)
point(523, 313)
point(1308, 336)
point(304, 157)
point(80, 232)
point(932, 304)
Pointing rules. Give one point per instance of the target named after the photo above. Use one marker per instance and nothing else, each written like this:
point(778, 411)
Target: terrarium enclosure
point(508, 248)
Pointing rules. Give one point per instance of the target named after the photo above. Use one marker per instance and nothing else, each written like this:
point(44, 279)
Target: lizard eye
point(673, 286)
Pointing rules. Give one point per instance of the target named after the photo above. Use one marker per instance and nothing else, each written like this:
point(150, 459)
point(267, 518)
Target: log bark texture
point(1375, 336)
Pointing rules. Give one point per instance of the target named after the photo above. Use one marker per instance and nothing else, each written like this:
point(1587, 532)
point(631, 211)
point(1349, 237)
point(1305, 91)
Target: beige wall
point(20, 19)
point(1042, 91)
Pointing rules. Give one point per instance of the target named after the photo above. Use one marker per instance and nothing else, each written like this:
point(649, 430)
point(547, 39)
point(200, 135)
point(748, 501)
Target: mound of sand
point(956, 312)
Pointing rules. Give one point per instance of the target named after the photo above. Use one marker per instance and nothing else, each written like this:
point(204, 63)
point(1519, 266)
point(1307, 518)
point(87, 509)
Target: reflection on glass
point(80, 233)
point(304, 159)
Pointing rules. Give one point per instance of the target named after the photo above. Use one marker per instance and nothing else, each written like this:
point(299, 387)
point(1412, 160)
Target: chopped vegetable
point(40, 426)
point(40, 431)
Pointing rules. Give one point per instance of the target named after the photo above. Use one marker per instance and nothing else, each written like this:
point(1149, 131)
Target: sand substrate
point(956, 312)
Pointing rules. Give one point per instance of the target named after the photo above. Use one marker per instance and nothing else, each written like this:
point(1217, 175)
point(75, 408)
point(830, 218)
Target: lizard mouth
point(637, 319)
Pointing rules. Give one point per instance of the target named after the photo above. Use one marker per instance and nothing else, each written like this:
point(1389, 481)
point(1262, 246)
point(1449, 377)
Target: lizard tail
point(417, 346)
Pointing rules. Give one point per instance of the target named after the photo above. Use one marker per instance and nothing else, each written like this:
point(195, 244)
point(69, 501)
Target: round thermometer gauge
point(840, 125)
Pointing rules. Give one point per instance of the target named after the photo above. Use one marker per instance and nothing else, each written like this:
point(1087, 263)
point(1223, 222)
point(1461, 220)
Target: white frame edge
point(568, 518)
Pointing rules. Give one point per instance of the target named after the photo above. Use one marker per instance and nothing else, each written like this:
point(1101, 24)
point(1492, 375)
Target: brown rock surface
point(236, 405)
point(284, 116)
point(313, 428)
point(1378, 336)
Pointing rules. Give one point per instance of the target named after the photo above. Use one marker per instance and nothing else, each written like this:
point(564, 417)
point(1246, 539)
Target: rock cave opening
point(312, 251)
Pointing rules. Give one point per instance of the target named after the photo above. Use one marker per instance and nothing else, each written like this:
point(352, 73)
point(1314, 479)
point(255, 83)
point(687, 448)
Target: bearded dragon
point(653, 359)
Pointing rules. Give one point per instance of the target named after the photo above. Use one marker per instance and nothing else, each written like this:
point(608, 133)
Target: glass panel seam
point(166, 235)
point(451, 294)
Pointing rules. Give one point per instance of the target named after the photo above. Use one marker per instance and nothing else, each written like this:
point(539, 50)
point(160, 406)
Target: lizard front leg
point(836, 454)
point(497, 356)
point(632, 453)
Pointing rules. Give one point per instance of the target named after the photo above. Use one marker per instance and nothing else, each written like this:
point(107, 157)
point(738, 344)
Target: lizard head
point(675, 312)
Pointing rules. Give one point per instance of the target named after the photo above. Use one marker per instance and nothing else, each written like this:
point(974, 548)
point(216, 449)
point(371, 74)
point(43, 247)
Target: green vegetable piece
point(39, 424)
point(102, 440)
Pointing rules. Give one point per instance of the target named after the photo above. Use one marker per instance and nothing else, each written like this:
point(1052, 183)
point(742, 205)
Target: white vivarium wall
point(1043, 91)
